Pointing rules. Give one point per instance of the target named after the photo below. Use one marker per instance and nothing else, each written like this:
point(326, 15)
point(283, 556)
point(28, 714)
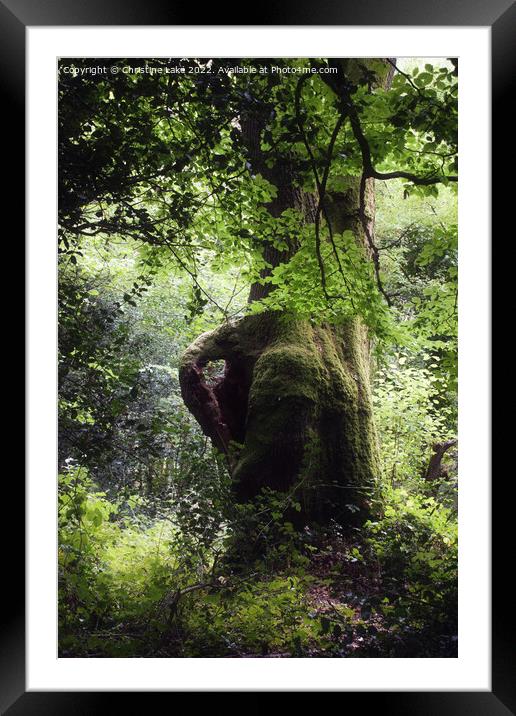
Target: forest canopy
point(258, 357)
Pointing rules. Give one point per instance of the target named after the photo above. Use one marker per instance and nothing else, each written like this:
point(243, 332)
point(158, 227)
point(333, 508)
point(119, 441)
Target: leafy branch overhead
point(162, 158)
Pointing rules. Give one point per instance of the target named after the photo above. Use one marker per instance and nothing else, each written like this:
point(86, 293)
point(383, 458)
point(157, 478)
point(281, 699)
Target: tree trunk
point(292, 410)
point(434, 468)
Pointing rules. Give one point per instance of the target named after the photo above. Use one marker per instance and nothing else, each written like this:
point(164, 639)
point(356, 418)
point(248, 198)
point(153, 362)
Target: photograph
point(258, 385)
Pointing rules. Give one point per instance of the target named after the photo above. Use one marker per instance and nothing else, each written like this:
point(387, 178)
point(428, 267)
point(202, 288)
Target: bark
point(435, 469)
point(292, 411)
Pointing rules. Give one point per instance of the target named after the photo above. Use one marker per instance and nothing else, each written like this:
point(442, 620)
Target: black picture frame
point(15, 17)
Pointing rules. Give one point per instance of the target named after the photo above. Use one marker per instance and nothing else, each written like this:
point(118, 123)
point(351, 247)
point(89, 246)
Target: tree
point(270, 164)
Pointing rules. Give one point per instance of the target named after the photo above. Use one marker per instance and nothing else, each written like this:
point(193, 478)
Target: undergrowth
point(132, 585)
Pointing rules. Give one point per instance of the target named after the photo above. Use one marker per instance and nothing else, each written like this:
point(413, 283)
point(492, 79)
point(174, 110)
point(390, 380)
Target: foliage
point(116, 566)
point(419, 255)
point(411, 416)
point(168, 165)
point(130, 586)
point(415, 543)
point(120, 412)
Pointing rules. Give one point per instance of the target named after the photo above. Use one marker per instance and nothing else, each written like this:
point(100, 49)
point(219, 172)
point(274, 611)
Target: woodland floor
point(346, 598)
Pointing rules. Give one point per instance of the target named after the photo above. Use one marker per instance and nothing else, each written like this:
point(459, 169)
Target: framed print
point(272, 454)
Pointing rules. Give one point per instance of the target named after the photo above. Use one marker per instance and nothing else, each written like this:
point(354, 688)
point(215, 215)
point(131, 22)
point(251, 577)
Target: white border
point(471, 670)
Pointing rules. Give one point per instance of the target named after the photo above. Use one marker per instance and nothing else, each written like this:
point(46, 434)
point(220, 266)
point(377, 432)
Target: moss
point(309, 421)
point(287, 370)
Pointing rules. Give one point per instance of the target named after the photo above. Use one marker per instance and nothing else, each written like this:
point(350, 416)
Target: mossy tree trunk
point(292, 410)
